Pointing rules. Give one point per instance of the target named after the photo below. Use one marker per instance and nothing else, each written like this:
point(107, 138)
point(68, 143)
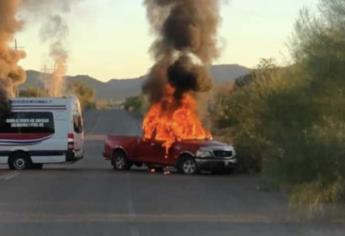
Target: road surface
point(89, 198)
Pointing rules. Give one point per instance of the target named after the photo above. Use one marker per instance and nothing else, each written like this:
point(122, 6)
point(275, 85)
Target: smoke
point(54, 31)
point(185, 47)
point(11, 75)
point(46, 7)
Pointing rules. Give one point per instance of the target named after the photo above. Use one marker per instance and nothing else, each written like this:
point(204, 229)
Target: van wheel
point(120, 161)
point(19, 161)
point(187, 165)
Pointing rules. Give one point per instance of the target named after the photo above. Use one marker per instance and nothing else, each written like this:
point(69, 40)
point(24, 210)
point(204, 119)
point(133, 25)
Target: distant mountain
point(228, 73)
point(121, 89)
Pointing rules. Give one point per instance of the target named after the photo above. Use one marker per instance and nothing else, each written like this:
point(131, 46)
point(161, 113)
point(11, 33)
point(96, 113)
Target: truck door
point(151, 151)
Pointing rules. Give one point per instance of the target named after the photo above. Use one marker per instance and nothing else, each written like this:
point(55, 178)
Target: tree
point(238, 111)
point(305, 125)
point(293, 119)
point(135, 104)
point(33, 92)
point(85, 94)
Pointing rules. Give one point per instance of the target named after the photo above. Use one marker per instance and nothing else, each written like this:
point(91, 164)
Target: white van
point(41, 131)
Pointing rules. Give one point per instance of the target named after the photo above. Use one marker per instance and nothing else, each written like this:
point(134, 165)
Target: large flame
point(168, 122)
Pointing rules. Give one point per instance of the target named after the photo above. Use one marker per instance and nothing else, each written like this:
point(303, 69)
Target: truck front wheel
point(187, 165)
point(120, 161)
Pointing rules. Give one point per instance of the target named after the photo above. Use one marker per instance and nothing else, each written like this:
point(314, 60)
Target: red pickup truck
point(189, 157)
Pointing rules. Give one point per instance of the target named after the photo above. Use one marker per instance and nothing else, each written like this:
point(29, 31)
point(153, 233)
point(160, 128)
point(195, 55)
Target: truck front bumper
point(209, 164)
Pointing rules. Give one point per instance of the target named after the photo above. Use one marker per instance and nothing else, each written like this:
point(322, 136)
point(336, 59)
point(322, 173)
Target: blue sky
point(110, 39)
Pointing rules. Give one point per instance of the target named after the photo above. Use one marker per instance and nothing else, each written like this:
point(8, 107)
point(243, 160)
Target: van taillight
point(70, 139)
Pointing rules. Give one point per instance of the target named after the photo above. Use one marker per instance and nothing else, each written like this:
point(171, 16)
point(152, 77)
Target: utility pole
point(46, 73)
point(47, 70)
point(16, 48)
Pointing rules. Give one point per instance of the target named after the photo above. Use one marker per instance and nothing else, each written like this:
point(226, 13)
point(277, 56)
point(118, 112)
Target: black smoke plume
point(186, 45)
point(11, 75)
point(4, 103)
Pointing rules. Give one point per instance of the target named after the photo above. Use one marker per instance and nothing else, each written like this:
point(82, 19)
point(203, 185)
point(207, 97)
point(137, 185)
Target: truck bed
point(114, 141)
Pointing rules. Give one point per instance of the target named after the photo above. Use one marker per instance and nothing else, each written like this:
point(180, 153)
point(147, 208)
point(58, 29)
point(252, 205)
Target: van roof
point(43, 98)
point(39, 102)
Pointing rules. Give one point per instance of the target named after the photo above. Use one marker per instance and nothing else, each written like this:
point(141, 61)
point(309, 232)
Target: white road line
point(9, 176)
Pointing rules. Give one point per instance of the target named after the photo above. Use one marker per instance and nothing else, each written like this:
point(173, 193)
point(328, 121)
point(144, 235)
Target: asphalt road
point(89, 198)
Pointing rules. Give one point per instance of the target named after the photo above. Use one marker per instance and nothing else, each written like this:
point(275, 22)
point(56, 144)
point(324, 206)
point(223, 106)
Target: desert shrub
point(292, 119)
point(33, 92)
point(85, 94)
point(136, 104)
point(307, 124)
point(238, 111)
point(104, 104)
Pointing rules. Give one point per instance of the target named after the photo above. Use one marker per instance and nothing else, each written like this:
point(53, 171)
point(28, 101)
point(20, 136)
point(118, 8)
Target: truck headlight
point(204, 154)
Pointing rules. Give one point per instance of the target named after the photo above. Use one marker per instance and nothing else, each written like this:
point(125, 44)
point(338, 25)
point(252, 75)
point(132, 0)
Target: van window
point(78, 124)
point(29, 122)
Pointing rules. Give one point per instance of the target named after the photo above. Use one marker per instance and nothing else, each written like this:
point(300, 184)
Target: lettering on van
point(27, 123)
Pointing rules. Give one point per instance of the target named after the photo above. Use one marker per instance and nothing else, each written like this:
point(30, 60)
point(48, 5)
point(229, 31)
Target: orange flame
point(168, 122)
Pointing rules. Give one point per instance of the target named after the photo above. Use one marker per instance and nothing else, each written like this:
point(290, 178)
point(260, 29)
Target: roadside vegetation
point(290, 122)
point(33, 92)
point(102, 104)
point(85, 94)
point(137, 105)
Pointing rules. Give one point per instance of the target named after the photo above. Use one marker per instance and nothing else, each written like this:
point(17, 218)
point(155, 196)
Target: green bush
point(306, 125)
point(85, 94)
point(33, 92)
point(292, 120)
point(135, 104)
point(238, 112)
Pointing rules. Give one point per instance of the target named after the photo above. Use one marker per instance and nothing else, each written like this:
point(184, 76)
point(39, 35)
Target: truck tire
point(19, 161)
point(187, 165)
point(120, 161)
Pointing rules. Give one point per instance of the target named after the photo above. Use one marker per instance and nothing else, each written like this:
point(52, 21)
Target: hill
point(120, 89)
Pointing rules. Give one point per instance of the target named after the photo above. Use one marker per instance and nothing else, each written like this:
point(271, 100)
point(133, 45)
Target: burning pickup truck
point(173, 135)
point(189, 157)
